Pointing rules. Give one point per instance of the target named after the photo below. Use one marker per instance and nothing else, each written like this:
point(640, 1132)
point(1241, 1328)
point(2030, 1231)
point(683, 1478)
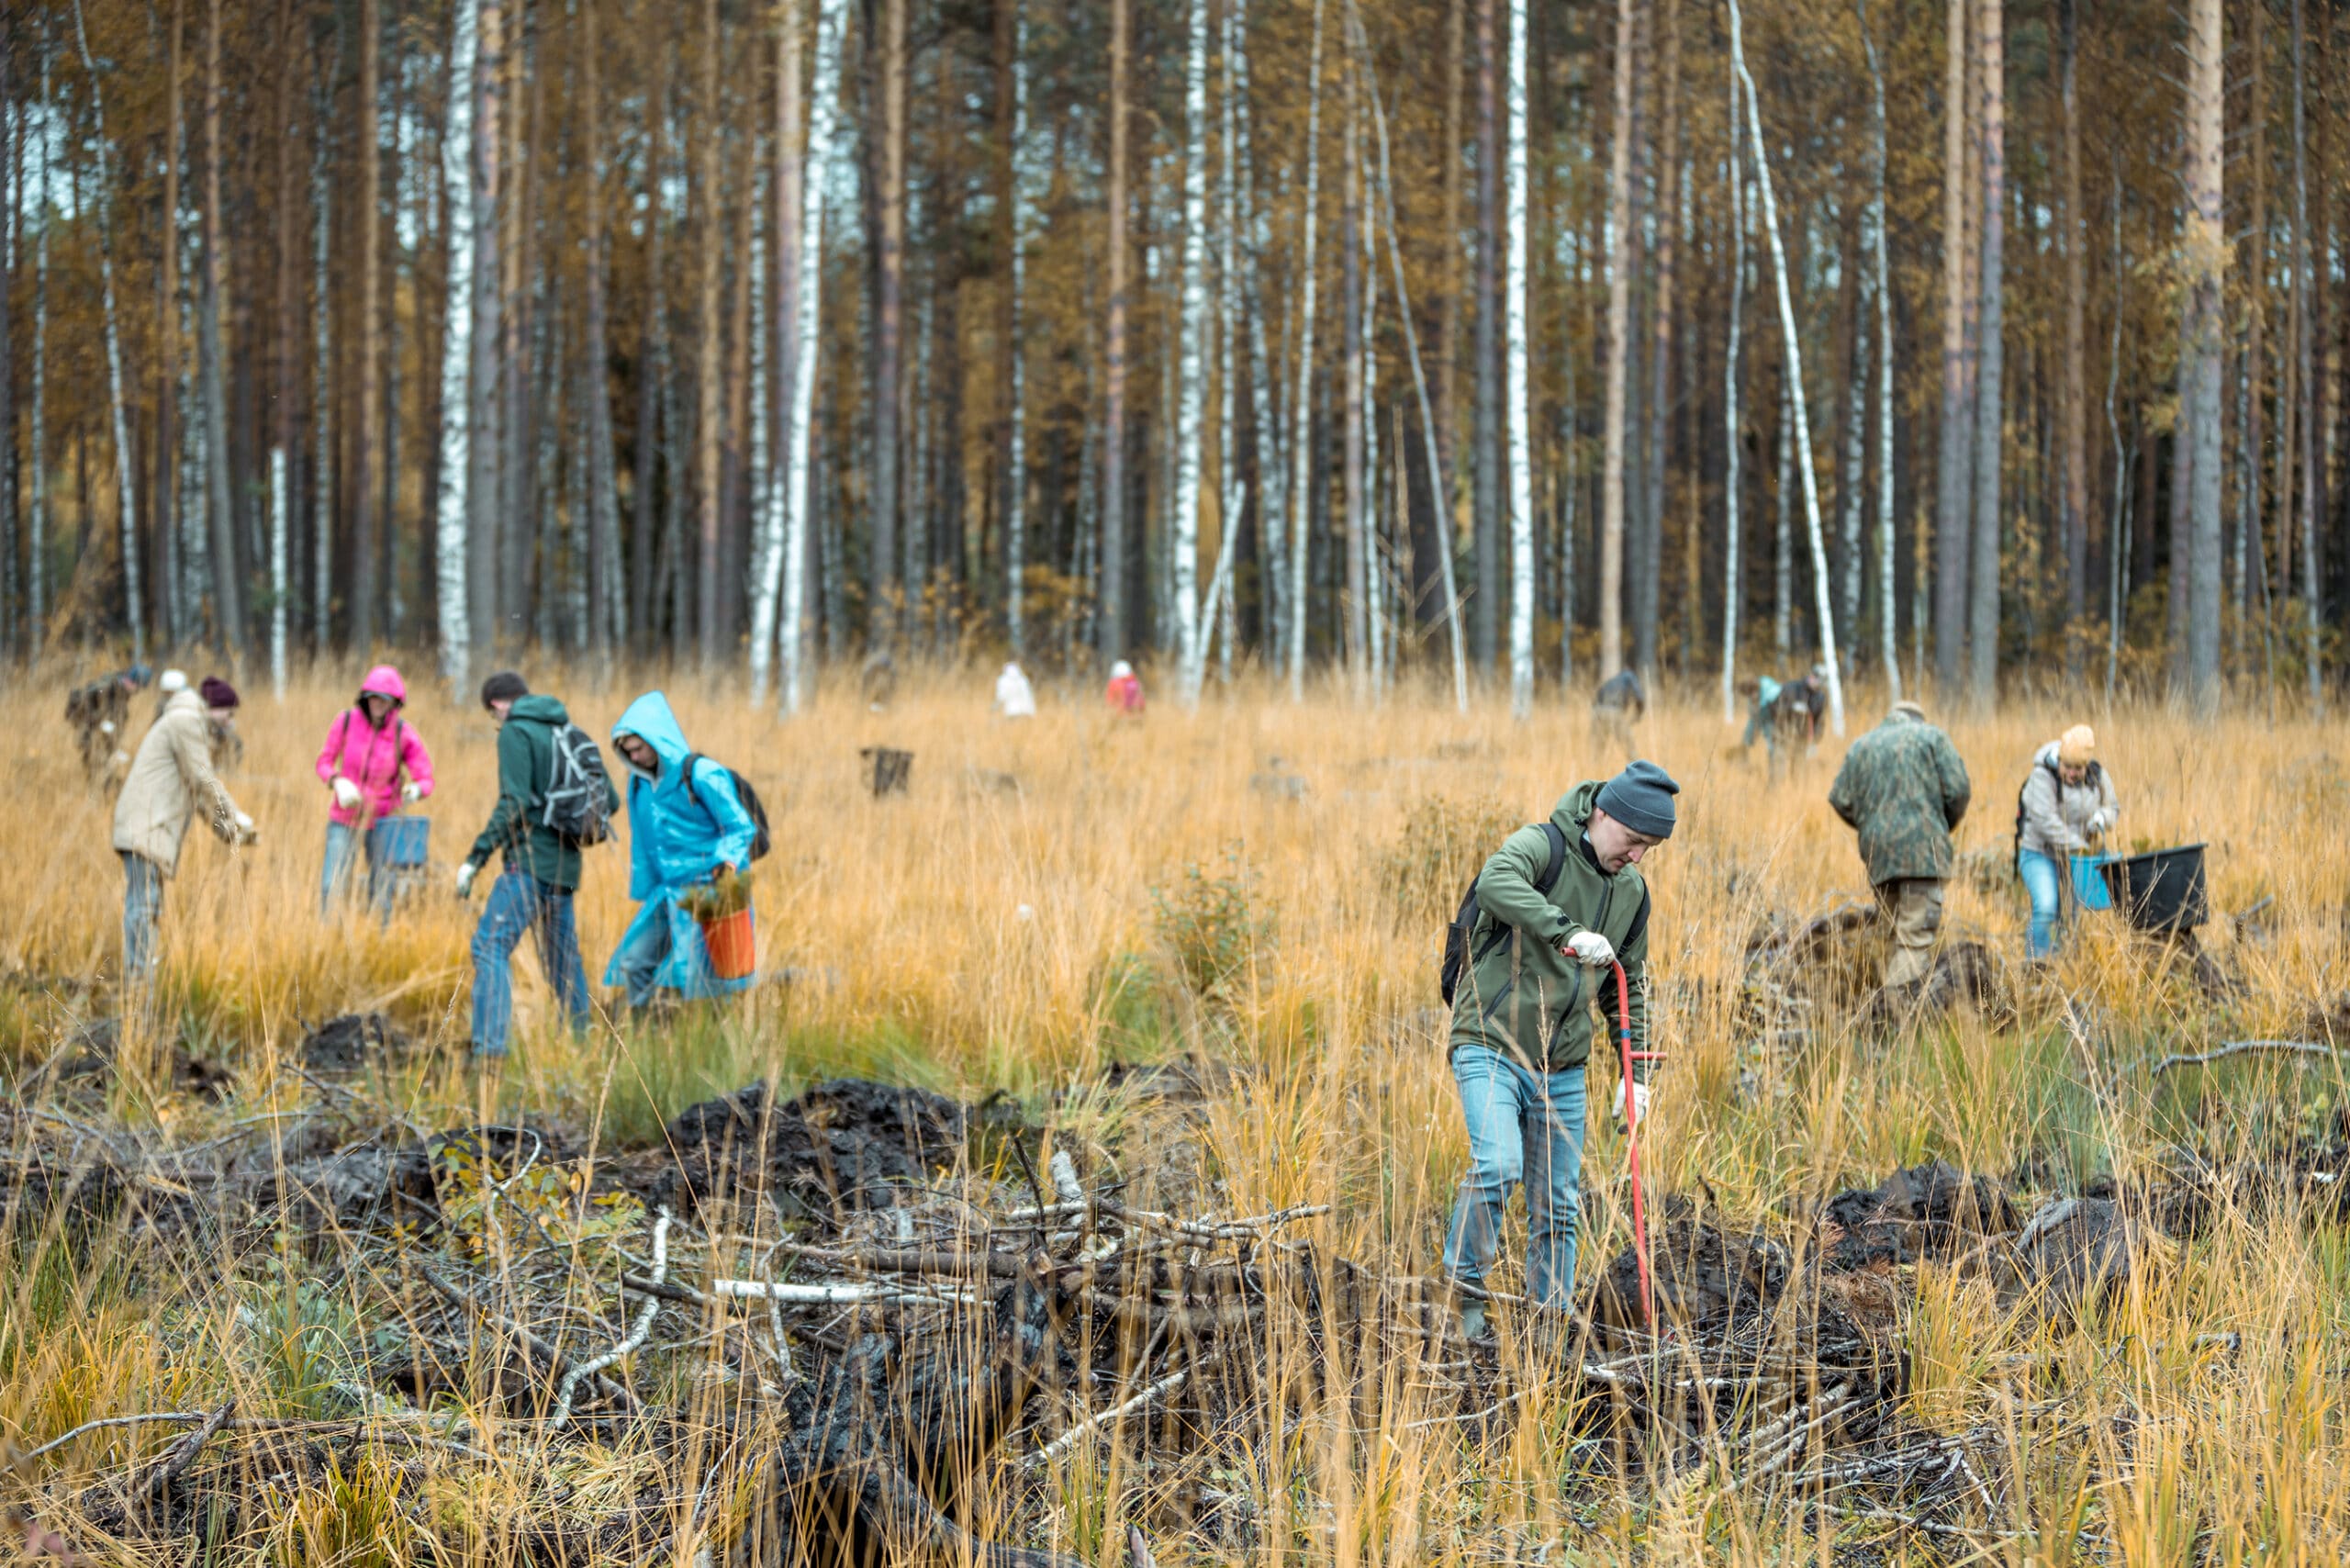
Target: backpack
point(2095, 774)
point(761, 842)
point(578, 798)
point(1457, 956)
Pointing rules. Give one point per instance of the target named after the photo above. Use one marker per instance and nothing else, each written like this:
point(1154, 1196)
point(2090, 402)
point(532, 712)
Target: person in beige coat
point(170, 780)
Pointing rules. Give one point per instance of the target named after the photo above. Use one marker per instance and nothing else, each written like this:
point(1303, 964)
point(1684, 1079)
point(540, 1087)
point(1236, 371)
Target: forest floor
point(1073, 1183)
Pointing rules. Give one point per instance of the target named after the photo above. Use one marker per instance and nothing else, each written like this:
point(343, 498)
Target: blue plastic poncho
point(680, 831)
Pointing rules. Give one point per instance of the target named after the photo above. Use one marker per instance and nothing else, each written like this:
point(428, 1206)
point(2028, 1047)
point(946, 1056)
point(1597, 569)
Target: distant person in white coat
point(1015, 698)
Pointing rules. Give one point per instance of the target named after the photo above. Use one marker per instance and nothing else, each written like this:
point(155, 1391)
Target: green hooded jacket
point(1903, 789)
point(1521, 996)
point(525, 764)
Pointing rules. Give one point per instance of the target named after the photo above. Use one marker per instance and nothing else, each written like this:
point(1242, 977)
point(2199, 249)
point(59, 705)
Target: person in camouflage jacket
point(1903, 789)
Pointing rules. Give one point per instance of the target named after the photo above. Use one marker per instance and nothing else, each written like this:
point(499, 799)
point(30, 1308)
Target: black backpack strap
point(1558, 861)
point(1640, 927)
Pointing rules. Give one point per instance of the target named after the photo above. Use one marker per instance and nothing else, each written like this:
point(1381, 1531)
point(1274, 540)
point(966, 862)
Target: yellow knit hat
point(2076, 745)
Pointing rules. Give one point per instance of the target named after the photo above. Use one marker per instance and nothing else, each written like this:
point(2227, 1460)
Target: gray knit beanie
point(1641, 799)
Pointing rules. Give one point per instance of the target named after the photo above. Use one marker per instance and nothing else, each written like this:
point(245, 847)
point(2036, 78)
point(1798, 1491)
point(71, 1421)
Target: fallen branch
point(637, 1334)
point(2244, 1048)
point(1076, 1434)
point(830, 1295)
point(556, 1361)
point(183, 1453)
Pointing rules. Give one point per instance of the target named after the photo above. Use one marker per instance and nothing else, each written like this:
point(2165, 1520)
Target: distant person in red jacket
point(1125, 691)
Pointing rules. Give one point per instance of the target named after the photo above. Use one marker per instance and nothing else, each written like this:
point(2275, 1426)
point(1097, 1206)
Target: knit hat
point(2075, 746)
point(172, 680)
point(503, 687)
point(1641, 799)
point(217, 692)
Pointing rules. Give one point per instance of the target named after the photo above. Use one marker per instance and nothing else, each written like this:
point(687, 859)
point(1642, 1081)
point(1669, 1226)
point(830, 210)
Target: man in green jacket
point(1903, 789)
point(1521, 1017)
point(542, 867)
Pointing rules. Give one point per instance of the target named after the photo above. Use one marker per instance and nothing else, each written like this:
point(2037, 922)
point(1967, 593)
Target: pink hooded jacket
point(375, 759)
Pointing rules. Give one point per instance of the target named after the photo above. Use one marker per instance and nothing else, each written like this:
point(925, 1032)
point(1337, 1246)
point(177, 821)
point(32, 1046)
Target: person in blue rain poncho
point(682, 832)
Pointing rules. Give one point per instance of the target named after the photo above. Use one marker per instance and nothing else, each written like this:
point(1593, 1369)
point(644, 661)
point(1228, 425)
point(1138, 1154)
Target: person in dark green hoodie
point(1521, 1018)
point(533, 894)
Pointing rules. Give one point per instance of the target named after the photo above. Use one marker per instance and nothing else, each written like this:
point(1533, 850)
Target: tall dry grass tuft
point(1265, 884)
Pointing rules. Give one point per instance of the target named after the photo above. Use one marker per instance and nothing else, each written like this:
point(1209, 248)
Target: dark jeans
point(519, 902)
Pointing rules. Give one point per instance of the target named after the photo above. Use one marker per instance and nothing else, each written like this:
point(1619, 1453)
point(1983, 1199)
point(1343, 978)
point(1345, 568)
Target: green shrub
point(1213, 926)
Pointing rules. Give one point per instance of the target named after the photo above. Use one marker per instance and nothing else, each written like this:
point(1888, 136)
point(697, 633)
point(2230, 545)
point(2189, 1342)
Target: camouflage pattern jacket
point(1903, 789)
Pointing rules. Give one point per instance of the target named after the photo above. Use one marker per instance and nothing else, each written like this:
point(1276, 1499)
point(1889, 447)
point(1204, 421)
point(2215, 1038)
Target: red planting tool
point(1632, 1137)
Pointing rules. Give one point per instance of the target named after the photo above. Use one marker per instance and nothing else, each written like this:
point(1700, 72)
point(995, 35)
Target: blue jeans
point(143, 907)
point(1523, 1126)
point(344, 845)
point(639, 958)
point(519, 902)
point(2043, 879)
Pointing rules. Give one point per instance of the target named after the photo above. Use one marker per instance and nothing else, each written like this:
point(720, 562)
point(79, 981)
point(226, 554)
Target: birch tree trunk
point(1783, 548)
point(483, 514)
point(280, 483)
point(1191, 644)
point(2302, 357)
point(1350, 379)
point(1619, 345)
point(36, 509)
point(1794, 376)
point(1888, 637)
point(227, 589)
point(2207, 252)
point(1956, 455)
point(2076, 381)
point(1733, 428)
point(1113, 592)
point(1519, 393)
point(12, 206)
point(1487, 501)
point(1990, 408)
point(1302, 407)
point(805, 256)
point(778, 330)
point(125, 470)
point(450, 532)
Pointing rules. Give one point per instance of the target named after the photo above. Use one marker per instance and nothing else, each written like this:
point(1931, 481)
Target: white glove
point(106, 726)
point(411, 794)
point(1639, 1105)
point(465, 878)
point(246, 832)
point(346, 793)
point(2099, 824)
point(1590, 949)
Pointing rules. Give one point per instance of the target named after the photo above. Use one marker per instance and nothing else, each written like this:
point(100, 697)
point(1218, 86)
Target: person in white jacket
point(2066, 806)
point(1015, 698)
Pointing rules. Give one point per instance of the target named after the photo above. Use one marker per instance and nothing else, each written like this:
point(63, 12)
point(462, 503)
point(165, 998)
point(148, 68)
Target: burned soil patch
point(354, 1041)
point(1926, 1212)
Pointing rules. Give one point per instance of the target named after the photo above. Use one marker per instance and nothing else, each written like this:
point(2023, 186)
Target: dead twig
point(637, 1334)
point(2244, 1048)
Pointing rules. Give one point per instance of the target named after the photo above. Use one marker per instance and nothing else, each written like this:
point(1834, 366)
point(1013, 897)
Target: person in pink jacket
point(373, 764)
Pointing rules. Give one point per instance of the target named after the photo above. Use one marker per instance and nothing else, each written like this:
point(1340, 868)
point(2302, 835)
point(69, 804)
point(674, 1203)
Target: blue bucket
point(399, 842)
point(2089, 880)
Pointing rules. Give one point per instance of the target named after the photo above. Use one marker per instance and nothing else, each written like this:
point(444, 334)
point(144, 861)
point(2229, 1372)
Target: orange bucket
point(732, 944)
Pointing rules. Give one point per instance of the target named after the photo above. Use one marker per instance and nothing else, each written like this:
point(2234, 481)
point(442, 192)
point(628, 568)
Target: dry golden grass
point(977, 934)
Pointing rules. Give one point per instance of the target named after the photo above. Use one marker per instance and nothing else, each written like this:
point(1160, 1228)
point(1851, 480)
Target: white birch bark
point(126, 481)
point(1734, 446)
point(1783, 550)
point(1888, 633)
point(1301, 504)
point(278, 483)
point(1439, 482)
point(766, 522)
point(1519, 413)
point(1855, 466)
point(1227, 279)
point(36, 514)
point(824, 102)
point(1191, 644)
point(1374, 594)
point(1821, 586)
point(1015, 503)
point(456, 346)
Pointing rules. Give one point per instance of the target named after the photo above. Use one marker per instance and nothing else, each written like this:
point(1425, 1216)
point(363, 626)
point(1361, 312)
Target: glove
point(2099, 824)
point(411, 794)
point(465, 878)
point(1639, 1105)
point(1590, 949)
point(346, 793)
point(246, 832)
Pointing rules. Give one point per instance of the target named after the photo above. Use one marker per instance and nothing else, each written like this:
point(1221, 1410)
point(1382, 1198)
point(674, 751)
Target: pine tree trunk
point(1647, 585)
point(11, 219)
point(452, 553)
point(1621, 217)
point(1733, 426)
point(228, 595)
point(605, 630)
point(1350, 355)
point(1445, 351)
point(2302, 358)
point(1954, 512)
point(1520, 390)
point(653, 367)
point(2076, 392)
point(1887, 632)
point(360, 608)
point(322, 507)
point(1015, 466)
point(1113, 593)
point(1983, 577)
point(2207, 249)
point(1487, 347)
point(287, 334)
point(710, 376)
point(1795, 378)
point(2251, 557)
point(889, 315)
point(125, 467)
point(36, 522)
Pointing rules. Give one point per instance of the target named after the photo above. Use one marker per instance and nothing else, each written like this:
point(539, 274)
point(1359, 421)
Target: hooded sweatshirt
point(374, 757)
point(170, 780)
point(518, 826)
point(2054, 815)
point(680, 830)
point(1522, 997)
